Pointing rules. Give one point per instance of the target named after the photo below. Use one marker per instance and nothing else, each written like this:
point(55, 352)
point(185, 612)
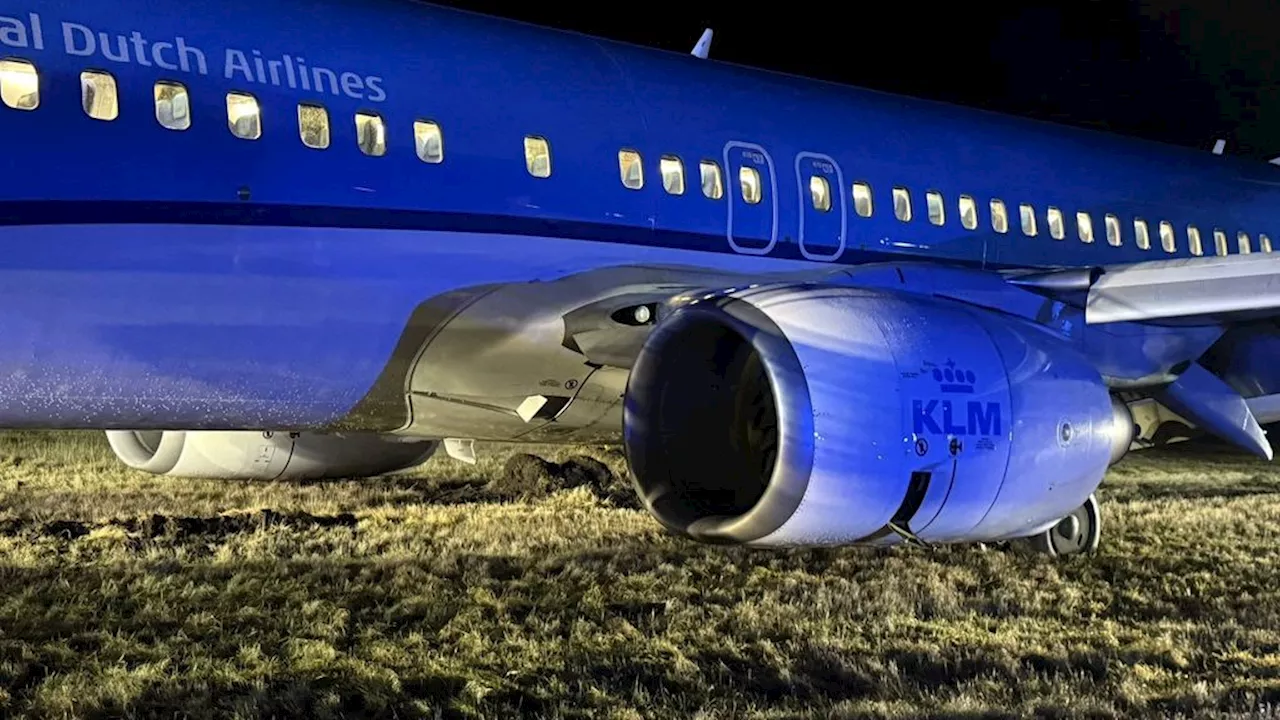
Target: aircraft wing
point(1216, 289)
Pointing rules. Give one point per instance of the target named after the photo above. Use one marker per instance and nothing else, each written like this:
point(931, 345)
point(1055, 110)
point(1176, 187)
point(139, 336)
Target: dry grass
point(432, 594)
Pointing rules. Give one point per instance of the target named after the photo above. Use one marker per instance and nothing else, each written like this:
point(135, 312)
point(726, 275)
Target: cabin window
point(371, 134)
point(1141, 236)
point(537, 156)
point(820, 193)
point(1220, 242)
point(428, 141)
point(243, 116)
point(712, 181)
point(1027, 215)
point(902, 204)
point(862, 199)
point(173, 105)
point(672, 170)
point(1167, 239)
point(313, 126)
point(933, 203)
point(1113, 230)
point(999, 217)
point(1264, 243)
point(631, 167)
point(98, 95)
point(749, 182)
point(968, 213)
point(1084, 227)
point(1193, 240)
point(1242, 242)
point(19, 84)
point(1057, 227)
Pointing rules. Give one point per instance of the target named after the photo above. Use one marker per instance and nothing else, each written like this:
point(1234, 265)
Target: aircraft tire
point(1079, 532)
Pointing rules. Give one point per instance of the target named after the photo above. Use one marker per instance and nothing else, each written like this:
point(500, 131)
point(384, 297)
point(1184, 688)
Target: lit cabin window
point(933, 203)
point(968, 213)
point(1242, 242)
point(862, 199)
point(749, 182)
point(1027, 215)
point(19, 84)
point(712, 181)
point(1220, 242)
point(173, 105)
point(631, 167)
point(1141, 235)
point(1057, 227)
point(1264, 243)
point(1084, 227)
point(1167, 239)
point(537, 156)
point(313, 126)
point(371, 134)
point(820, 193)
point(1193, 240)
point(243, 116)
point(999, 217)
point(98, 95)
point(428, 141)
point(1113, 230)
point(672, 174)
point(902, 204)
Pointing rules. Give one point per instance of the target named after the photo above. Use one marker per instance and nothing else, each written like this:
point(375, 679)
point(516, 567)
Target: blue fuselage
point(174, 267)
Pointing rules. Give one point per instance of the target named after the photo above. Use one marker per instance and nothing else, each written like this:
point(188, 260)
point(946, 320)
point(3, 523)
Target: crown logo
point(953, 379)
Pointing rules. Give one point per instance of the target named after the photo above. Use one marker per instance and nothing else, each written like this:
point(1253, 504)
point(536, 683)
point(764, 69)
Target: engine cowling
point(243, 455)
point(811, 415)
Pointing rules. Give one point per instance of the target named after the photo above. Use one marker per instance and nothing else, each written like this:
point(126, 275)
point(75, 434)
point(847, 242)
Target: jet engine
point(817, 415)
point(242, 455)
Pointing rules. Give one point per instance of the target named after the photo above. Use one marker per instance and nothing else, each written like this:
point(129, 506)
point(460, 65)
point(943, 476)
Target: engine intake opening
point(704, 432)
point(149, 440)
point(144, 448)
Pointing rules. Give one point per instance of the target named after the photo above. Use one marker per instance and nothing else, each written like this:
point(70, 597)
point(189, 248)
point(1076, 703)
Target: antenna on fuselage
point(703, 47)
point(1219, 145)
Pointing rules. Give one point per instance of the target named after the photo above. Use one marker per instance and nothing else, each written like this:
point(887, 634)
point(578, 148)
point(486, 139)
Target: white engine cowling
point(245, 455)
point(812, 415)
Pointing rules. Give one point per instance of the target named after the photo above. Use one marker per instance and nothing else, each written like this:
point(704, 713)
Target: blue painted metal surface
point(1203, 398)
point(160, 278)
point(1002, 426)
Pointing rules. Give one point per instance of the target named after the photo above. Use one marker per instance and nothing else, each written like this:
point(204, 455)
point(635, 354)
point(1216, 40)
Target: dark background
point(1184, 72)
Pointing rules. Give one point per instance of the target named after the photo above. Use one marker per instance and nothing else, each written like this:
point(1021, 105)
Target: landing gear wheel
point(1076, 533)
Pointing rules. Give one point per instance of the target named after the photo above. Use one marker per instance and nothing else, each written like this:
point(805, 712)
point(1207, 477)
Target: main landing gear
point(1076, 533)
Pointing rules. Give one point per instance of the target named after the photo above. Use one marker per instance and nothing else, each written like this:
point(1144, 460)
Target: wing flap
point(1212, 288)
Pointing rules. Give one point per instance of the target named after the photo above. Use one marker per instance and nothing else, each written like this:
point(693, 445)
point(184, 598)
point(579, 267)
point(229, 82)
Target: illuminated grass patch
point(437, 593)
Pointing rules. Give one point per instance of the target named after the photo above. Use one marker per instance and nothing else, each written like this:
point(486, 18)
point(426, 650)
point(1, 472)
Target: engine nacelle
point(242, 455)
point(812, 415)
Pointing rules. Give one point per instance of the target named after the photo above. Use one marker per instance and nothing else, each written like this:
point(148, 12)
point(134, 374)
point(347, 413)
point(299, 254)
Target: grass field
point(438, 594)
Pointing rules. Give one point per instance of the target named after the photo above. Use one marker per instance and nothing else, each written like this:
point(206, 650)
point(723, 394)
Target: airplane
point(312, 240)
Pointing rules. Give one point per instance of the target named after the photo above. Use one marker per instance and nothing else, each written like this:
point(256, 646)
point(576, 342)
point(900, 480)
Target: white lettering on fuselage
point(176, 54)
point(17, 33)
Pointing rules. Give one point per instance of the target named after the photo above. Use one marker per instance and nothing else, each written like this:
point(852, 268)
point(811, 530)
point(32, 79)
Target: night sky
point(1183, 72)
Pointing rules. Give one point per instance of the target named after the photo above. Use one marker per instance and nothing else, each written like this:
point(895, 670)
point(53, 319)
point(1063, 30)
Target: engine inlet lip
point(138, 451)
point(793, 466)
